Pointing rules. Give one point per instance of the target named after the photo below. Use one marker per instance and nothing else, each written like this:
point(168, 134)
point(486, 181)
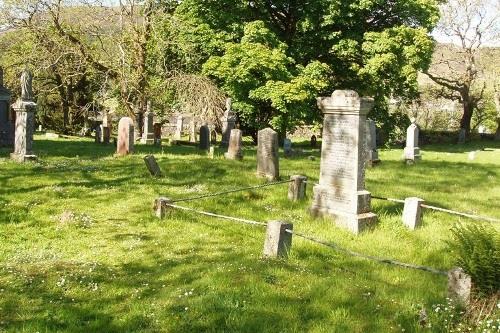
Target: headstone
point(148, 131)
point(178, 128)
point(297, 188)
point(125, 144)
point(314, 141)
point(459, 285)
point(287, 147)
point(412, 212)
point(213, 137)
point(192, 130)
point(461, 136)
point(211, 152)
point(25, 110)
point(98, 134)
point(371, 143)
point(106, 134)
point(204, 137)
point(412, 151)
point(6, 118)
point(228, 123)
point(340, 192)
point(152, 166)
point(278, 240)
point(267, 154)
point(235, 145)
point(157, 134)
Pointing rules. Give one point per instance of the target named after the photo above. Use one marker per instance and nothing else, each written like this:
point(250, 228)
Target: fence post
point(459, 285)
point(278, 241)
point(160, 207)
point(297, 187)
point(412, 212)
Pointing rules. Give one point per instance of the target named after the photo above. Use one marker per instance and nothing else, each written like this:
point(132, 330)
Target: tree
point(469, 24)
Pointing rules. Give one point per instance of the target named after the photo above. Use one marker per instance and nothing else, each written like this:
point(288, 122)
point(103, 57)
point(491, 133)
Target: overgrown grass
point(81, 252)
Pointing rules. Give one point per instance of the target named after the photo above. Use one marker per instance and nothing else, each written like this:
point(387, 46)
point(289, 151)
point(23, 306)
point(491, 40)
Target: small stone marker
point(161, 208)
point(267, 154)
point(213, 137)
point(106, 134)
point(412, 151)
point(314, 141)
point(459, 285)
point(412, 212)
point(340, 192)
point(211, 152)
point(148, 131)
point(371, 143)
point(287, 147)
point(204, 137)
point(461, 136)
point(278, 241)
point(235, 144)
point(152, 166)
point(297, 188)
point(125, 144)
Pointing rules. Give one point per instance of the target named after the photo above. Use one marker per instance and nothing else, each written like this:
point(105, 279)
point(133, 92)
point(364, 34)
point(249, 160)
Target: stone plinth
point(148, 135)
point(125, 143)
point(412, 151)
point(267, 154)
point(235, 144)
point(340, 192)
point(371, 143)
point(24, 129)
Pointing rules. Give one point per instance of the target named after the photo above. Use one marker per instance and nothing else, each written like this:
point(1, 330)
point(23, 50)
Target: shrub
point(476, 248)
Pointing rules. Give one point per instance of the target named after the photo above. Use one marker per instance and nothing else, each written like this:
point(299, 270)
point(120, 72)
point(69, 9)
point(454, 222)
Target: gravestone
point(228, 123)
point(211, 152)
point(204, 137)
point(371, 143)
point(235, 145)
point(412, 212)
point(148, 131)
point(461, 136)
point(412, 151)
point(152, 165)
point(213, 137)
point(157, 134)
point(459, 286)
point(297, 188)
point(192, 130)
point(125, 144)
point(6, 118)
point(314, 141)
point(178, 128)
point(106, 134)
point(25, 121)
point(341, 192)
point(287, 147)
point(98, 134)
point(267, 154)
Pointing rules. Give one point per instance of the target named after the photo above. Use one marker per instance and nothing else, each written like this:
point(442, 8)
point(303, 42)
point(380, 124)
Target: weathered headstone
point(459, 285)
point(235, 145)
point(157, 134)
point(340, 192)
point(192, 130)
point(287, 147)
point(461, 136)
point(297, 188)
point(125, 144)
point(152, 165)
point(278, 241)
point(211, 152)
point(228, 123)
point(106, 134)
point(267, 154)
point(178, 128)
point(314, 141)
point(6, 121)
point(371, 143)
point(412, 212)
point(25, 121)
point(148, 131)
point(412, 151)
point(213, 137)
point(204, 137)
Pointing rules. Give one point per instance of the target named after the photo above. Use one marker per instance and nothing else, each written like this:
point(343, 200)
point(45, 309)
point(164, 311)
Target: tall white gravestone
point(148, 135)
point(268, 154)
point(340, 192)
point(412, 151)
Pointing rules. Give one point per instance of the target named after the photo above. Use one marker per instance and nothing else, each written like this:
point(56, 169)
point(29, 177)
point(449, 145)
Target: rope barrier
point(364, 256)
point(237, 219)
point(232, 191)
point(388, 199)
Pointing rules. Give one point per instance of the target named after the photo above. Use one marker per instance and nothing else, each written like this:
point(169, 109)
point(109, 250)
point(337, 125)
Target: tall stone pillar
point(341, 190)
point(148, 130)
point(179, 126)
point(412, 151)
point(24, 129)
point(228, 123)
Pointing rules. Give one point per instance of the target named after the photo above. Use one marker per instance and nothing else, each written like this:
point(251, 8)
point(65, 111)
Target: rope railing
point(210, 195)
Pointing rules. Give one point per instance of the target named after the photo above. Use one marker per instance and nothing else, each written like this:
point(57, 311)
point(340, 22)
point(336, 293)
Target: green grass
point(112, 267)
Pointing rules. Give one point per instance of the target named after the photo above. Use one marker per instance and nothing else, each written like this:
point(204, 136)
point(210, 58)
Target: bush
point(477, 250)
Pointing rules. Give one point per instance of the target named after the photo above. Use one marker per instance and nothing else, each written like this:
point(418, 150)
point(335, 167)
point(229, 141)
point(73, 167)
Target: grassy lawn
point(80, 250)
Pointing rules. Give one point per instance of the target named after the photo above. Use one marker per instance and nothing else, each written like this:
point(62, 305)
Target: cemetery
point(239, 190)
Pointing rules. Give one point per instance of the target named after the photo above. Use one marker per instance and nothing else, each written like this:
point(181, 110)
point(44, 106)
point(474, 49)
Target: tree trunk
point(466, 117)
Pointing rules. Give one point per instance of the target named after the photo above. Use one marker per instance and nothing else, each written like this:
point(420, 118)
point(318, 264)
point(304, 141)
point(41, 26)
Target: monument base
point(23, 158)
point(412, 154)
point(355, 223)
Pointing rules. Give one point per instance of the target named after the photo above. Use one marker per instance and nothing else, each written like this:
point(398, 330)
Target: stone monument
point(192, 130)
point(287, 147)
point(341, 192)
point(228, 123)
point(148, 136)
point(204, 137)
point(412, 151)
point(125, 144)
point(371, 143)
point(6, 118)
point(235, 144)
point(267, 154)
point(179, 127)
point(25, 121)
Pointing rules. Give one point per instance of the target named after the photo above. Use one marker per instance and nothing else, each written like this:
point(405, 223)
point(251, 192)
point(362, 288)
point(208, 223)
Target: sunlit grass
point(81, 252)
